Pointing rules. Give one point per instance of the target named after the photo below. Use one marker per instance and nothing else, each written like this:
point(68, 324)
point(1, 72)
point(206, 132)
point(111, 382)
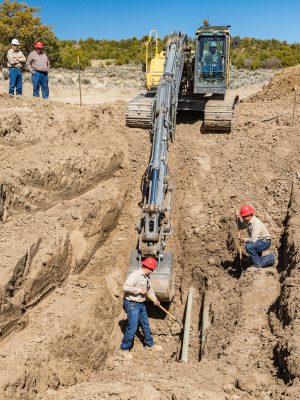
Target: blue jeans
point(40, 80)
point(214, 70)
point(137, 315)
point(15, 81)
point(255, 252)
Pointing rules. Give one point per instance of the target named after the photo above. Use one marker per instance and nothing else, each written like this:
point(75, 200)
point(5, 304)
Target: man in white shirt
point(136, 289)
point(259, 238)
point(15, 58)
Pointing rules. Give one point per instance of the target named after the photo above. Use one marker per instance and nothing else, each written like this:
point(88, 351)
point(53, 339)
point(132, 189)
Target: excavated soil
point(69, 194)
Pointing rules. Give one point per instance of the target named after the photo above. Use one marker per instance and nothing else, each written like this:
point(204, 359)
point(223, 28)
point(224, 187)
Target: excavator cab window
point(211, 59)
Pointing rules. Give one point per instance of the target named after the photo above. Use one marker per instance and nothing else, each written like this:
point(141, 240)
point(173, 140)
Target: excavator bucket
point(162, 279)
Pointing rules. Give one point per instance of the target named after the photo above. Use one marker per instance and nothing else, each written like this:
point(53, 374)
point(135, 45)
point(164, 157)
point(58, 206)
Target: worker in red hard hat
point(136, 288)
point(38, 64)
point(259, 238)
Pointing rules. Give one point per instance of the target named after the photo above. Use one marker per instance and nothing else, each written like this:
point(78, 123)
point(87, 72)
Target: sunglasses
point(246, 216)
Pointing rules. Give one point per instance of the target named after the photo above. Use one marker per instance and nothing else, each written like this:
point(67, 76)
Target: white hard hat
point(15, 41)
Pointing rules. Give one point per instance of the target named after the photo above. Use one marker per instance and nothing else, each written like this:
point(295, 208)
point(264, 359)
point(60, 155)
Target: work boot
point(125, 354)
point(254, 269)
point(155, 347)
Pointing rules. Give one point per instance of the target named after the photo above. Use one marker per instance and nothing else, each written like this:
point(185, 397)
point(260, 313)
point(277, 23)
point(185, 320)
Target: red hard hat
point(39, 45)
point(246, 210)
point(149, 262)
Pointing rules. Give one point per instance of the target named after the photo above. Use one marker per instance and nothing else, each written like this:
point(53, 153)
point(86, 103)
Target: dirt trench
point(64, 314)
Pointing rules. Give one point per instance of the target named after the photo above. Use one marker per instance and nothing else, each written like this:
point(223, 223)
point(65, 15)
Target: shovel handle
point(240, 245)
point(166, 311)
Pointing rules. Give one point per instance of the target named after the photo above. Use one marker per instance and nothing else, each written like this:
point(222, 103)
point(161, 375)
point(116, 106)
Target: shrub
point(272, 63)
point(248, 62)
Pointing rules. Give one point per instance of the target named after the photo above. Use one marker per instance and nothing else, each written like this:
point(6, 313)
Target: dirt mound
point(282, 84)
point(70, 187)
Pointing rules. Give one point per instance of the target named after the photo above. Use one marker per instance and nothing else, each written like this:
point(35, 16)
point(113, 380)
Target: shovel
point(167, 312)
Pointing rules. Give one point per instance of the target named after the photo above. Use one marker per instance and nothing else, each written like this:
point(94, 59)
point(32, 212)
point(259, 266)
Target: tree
point(69, 58)
point(20, 21)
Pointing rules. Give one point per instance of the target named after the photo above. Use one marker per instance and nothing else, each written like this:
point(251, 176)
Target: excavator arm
point(155, 221)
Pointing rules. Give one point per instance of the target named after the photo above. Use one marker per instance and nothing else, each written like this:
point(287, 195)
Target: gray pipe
point(187, 327)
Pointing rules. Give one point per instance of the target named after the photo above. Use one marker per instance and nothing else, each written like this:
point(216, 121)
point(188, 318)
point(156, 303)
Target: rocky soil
point(69, 193)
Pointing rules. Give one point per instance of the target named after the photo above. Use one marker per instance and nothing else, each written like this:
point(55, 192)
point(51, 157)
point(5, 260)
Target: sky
point(117, 19)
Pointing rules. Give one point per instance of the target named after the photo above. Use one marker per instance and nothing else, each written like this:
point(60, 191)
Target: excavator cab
point(212, 60)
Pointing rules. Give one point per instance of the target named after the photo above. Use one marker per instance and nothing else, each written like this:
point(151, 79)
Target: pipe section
point(187, 327)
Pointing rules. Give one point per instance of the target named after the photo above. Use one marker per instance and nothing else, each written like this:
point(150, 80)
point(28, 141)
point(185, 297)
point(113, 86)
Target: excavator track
point(219, 113)
point(139, 111)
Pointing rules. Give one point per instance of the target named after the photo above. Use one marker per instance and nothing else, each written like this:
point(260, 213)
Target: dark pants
point(15, 81)
point(40, 80)
point(137, 315)
point(255, 252)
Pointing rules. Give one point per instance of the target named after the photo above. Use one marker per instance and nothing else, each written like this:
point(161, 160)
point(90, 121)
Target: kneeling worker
point(259, 238)
point(136, 288)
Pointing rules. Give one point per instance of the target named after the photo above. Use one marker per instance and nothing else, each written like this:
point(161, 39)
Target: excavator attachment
point(162, 279)
point(154, 226)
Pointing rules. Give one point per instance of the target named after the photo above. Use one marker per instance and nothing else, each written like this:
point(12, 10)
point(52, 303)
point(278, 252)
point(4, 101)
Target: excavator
point(177, 79)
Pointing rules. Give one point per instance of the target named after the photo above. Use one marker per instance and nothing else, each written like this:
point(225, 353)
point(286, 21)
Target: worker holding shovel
point(259, 238)
point(136, 289)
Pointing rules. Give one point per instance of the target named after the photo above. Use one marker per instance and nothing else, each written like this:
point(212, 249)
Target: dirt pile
point(69, 203)
point(282, 84)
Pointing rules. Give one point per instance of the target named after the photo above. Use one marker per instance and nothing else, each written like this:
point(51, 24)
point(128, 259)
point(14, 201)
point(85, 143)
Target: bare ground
point(69, 196)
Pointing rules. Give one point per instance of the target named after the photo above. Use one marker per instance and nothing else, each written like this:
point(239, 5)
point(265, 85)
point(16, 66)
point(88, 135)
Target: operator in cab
point(212, 61)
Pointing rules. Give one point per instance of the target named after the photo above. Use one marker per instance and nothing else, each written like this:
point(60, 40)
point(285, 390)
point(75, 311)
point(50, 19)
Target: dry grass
point(125, 76)
point(132, 77)
point(245, 77)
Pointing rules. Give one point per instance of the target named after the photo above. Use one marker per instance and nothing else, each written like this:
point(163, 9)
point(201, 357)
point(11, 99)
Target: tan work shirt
point(38, 62)
point(15, 58)
point(257, 230)
point(138, 280)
